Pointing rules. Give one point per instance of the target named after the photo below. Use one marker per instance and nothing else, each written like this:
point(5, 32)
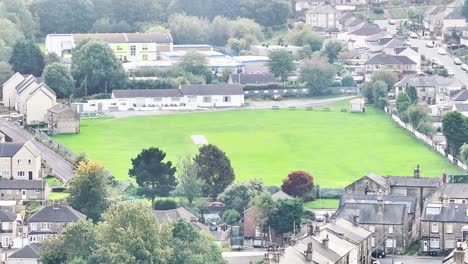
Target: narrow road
point(60, 167)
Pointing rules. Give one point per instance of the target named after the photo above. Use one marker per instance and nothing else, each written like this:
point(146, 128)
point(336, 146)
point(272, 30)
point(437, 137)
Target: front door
point(30, 175)
point(23, 194)
point(425, 245)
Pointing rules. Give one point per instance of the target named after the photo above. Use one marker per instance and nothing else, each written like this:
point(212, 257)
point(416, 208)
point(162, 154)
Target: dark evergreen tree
point(27, 58)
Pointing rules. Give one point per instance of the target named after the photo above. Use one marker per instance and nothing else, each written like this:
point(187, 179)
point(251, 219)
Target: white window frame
point(372, 228)
point(390, 229)
point(434, 227)
point(434, 243)
point(19, 161)
point(449, 228)
point(226, 99)
point(6, 160)
point(21, 173)
point(132, 50)
point(207, 99)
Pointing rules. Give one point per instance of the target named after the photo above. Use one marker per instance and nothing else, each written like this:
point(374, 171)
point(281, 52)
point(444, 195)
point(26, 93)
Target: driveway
point(411, 260)
point(60, 167)
point(447, 60)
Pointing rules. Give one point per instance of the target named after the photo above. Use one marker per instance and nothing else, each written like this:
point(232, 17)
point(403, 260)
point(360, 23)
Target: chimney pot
point(444, 178)
point(356, 220)
point(308, 252)
point(459, 256)
point(325, 242)
point(417, 172)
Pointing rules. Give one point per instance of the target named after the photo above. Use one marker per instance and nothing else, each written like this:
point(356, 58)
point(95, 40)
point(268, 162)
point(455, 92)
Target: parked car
point(450, 73)
point(464, 67)
point(441, 51)
point(429, 71)
point(378, 253)
point(430, 44)
point(319, 218)
point(391, 22)
point(413, 35)
point(457, 61)
point(436, 61)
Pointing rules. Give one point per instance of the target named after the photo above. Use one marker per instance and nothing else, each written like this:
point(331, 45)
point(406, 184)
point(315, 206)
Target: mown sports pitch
point(335, 147)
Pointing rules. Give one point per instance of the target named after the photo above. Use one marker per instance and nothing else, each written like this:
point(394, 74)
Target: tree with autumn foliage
point(298, 183)
point(88, 189)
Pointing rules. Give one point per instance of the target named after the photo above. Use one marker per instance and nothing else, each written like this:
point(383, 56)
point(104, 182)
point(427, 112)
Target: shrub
point(298, 183)
point(165, 204)
point(378, 10)
point(270, 86)
point(231, 217)
point(329, 193)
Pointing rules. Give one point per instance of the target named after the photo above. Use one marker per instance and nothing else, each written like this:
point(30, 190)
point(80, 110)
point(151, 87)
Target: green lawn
point(58, 196)
point(322, 204)
point(335, 147)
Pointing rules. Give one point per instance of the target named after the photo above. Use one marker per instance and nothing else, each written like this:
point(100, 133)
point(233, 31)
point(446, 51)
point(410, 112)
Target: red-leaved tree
point(298, 183)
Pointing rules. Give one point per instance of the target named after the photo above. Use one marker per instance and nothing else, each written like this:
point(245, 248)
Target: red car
point(391, 22)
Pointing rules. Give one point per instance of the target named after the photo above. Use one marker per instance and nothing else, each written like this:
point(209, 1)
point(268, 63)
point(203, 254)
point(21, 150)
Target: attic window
point(433, 210)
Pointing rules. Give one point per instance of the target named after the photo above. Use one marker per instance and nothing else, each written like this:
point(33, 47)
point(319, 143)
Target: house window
point(5, 225)
point(132, 50)
point(390, 229)
point(449, 244)
point(435, 228)
point(449, 228)
point(45, 226)
point(175, 99)
point(372, 241)
point(21, 174)
point(33, 226)
point(5, 173)
point(390, 243)
point(144, 47)
point(6, 160)
point(157, 99)
point(207, 99)
point(119, 47)
point(452, 201)
point(8, 191)
point(29, 162)
point(434, 243)
point(145, 57)
point(433, 210)
point(19, 161)
point(227, 99)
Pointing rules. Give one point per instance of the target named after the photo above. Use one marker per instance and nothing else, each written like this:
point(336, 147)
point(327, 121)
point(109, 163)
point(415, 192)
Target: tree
point(464, 153)
point(188, 29)
point(95, 68)
point(59, 79)
point(77, 241)
point(193, 247)
point(88, 191)
point(220, 31)
point(425, 127)
point(390, 78)
point(136, 12)
point(318, 74)
point(64, 16)
point(195, 63)
point(287, 216)
point(403, 102)
point(298, 183)
point(215, 169)
point(102, 25)
point(121, 27)
point(380, 93)
point(51, 58)
point(27, 58)
point(332, 49)
point(266, 12)
point(416, 115)
point(188, 183)
point(129, 233)
point(454, 129)
point(280, 63)
point(413, 95)
point(302, 35)
point(152, 174)
point(231, 217)
point(19, 14)
point(10, 33)
point(5, 72)
point(347, 81)
point(465, 9)
point(237, 196)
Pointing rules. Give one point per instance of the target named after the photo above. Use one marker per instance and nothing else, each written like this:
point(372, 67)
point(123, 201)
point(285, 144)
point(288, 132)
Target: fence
point(54, 145)
point(425, 139)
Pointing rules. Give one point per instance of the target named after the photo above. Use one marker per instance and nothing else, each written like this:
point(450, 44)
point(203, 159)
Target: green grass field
point(322, 204)
point(335, 147)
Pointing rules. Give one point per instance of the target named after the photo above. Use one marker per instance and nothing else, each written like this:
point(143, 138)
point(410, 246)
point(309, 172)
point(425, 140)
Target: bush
point(378, 10)
point(329, 193)
point(165, 204)
point(270, 86)
point(231, 217)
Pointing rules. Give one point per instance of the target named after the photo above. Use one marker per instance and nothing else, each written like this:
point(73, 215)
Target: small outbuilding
point(61, 118)
point(357, 105)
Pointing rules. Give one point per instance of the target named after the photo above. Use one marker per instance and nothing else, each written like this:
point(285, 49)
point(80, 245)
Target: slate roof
point(462, 95)
point(356, 21)
point(22, 184)
point(253, 78)
point(401, 49)
point(327, 9)
point(8, 149)
point(378, 179)
point(393, 214)
point(172, 215)
point(321, 254)
point(31, 251)
point(434, 10)
point(450, 213)
point(454, 15)
point(367, 30)
point(429, 81)
point(395, 43)
point(345, 228)
point(408, 181)
point(382, 59)
point(42, 85)
point(125, 37)
point(409, 201)
point(280, 195)
point(59, 214)
point(6, 216)
point(461, 107)
point(146, 93)
point(455, 190)
point(211, 89)
point(60, 108)
point(25, 83)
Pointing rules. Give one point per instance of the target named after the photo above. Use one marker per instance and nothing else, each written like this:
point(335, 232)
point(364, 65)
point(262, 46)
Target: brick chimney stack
point(459, 256)
point(356, 220)
point(444, 178)
point(308, 252)
point(417, 172)
point(325, 241)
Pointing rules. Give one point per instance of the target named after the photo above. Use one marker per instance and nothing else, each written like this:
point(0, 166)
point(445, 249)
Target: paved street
point(412, 260)
point(244, 257)
point(61, 168)
point(446, 60)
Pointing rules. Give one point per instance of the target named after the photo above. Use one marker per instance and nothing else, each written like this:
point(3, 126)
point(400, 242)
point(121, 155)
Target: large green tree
point(390, 78)
point(27, 58)
point(141, 11)
point(332, 50)
point(206, 8)
point(10, 33)
point(195, 63)
point(64, 16)
point(129, 233)
point(189, 29)
point(154, 175)
point(412, 93)
point(318, 74)
point(193, 247)
point(88, 191)
point(95, 68)
point(77, 241)
point(17, 12)
point(237, 196)
point(302, 35)
point(280, 63)
point(59, 79)
point(403, 102)
point(464, 153)
point(287, 216)
point(269, 13)
point(215, 169)
point(380, 93)
point(188, 183)
point(454, 128)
